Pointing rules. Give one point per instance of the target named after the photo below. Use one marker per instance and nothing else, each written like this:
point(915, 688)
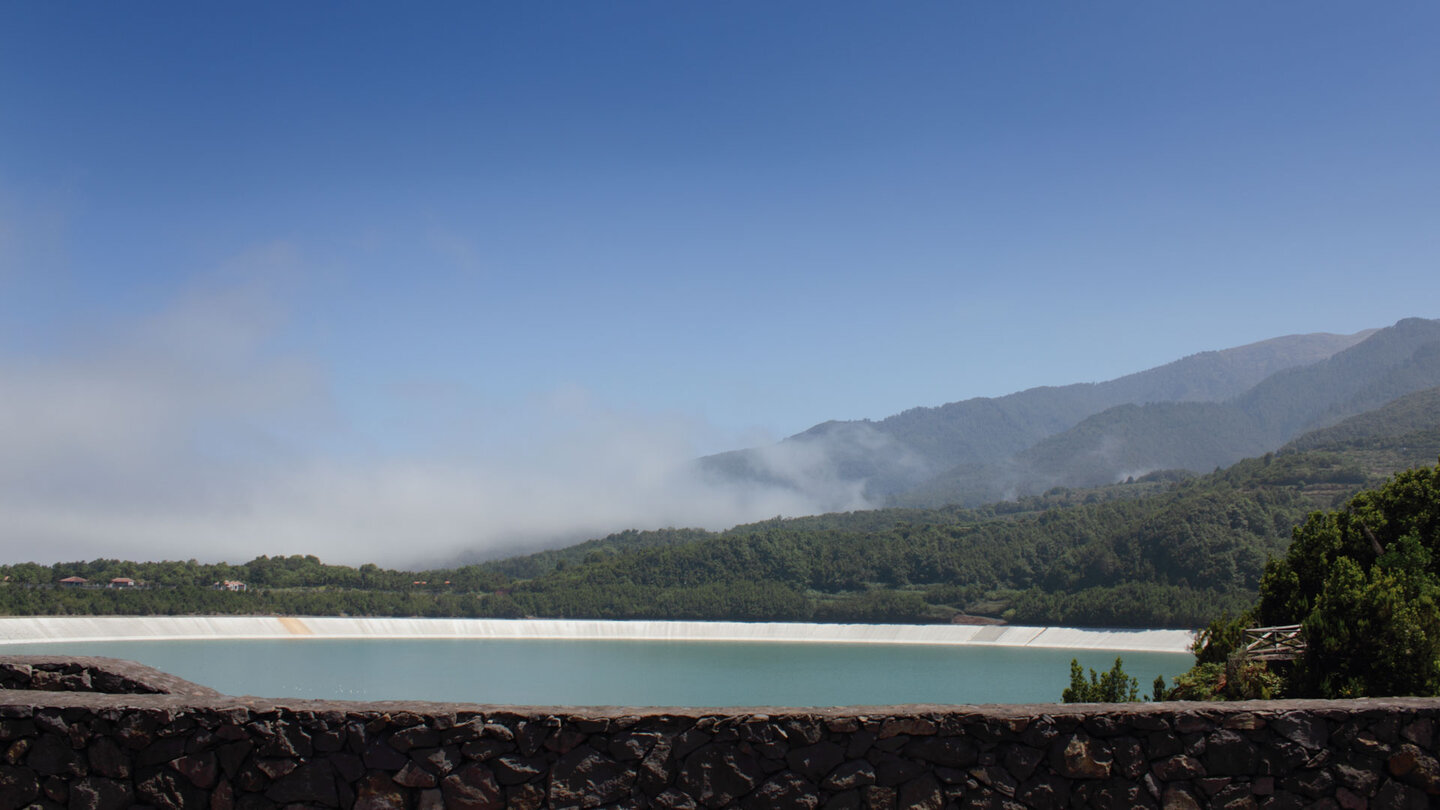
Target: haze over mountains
point(1169, 549)
point(1197, 413)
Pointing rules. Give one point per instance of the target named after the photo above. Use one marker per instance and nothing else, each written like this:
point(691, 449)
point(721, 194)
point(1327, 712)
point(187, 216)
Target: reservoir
point(621, 673)
point(597, 665)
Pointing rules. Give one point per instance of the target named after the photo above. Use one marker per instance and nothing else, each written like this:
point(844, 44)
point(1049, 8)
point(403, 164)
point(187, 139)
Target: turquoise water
point(630, 673)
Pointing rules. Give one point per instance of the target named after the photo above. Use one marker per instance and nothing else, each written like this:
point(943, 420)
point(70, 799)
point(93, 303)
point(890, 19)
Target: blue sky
point(422, 251)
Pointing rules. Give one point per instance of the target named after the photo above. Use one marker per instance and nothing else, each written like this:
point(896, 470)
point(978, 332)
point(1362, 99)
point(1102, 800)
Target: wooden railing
point(1281, 643)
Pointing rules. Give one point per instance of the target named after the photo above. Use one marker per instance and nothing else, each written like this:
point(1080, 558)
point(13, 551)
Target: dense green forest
point(1167, 549)
point(287, 585)
point(1362, 583)
point(1172, 558)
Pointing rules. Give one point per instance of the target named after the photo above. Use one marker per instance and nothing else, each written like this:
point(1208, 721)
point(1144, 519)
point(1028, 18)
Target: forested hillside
point(1359, 587)
point(897, 454)
point(1132, 439)
point(1405, 421)
point(301, 585)
point(1166, 549)
point(1199, 413)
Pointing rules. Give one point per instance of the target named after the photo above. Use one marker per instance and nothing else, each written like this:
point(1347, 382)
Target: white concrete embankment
point(157, 628)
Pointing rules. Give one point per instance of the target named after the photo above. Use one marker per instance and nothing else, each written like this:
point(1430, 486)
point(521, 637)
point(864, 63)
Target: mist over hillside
point(1204, 411)
point(1169, 549)
point(1166, 549)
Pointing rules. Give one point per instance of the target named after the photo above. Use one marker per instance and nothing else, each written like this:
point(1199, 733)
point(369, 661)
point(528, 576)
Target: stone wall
point(160, 742)
point(87, 674)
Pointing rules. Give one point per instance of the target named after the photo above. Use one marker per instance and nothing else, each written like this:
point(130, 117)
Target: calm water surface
point(596, 673)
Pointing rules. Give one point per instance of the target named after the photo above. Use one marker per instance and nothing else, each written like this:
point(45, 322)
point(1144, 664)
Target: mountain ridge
point(1133, 439)
point(1163, 550)
point(907, 458)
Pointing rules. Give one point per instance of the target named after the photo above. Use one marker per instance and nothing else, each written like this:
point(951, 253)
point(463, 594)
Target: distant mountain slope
point(1390, 363)
point(1169, 549)
point(1408, 424)
point(1131, 440)
point(905, 450)
point(1122, 442)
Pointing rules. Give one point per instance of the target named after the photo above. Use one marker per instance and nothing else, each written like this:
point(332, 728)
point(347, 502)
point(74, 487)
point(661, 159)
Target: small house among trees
point(73, 582)
point(229, 585)
point(123, 582)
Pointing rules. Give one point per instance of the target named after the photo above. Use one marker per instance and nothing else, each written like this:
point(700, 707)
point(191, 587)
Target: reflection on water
point(594, 673)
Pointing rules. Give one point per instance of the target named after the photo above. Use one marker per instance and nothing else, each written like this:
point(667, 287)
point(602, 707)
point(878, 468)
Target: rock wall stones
point(92, 674)
point(180, 749)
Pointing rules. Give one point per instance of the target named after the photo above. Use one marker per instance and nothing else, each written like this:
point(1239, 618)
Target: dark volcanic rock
point(173, 751)
point(1130, 761)
point(312, 783)
point(1178, 768)
point(51, 754)
point(923, 793)
point(851, 775)
point(415, 737)
point(381, 756)
point(97, 793)
point(18, 786)
point(952, 752)
point(816, 761)
point(1416, 768)
point(232, 757)
point(716, 775)
point(1046, 792)
point(415, 776)
point(528, 796)
point(1178, 797)
point(891, 770)
point(586, 778)
point(512, 769)
point(1305, 730)
point(107, 758)
point(167, 790)
point(633, 747)
point(472, 787)
point(672, 799)
point(1080, 757)
point(1227, 753)
point(911, 726)
point(438, 760)
point(379, 792)
point(784, 790)
point(1396, 796)
point(1022, 761)
point(160, 751)
point(201, 769)
point(286, 740)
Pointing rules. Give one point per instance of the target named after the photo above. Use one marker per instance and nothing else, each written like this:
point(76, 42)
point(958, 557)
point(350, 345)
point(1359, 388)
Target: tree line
point(1362, 583)
point(1168, 550)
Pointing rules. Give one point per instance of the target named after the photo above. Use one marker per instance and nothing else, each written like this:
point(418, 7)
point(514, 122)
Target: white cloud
point(193, 433)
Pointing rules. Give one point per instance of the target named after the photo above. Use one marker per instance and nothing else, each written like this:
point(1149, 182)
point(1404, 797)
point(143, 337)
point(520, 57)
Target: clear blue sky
point(374, 241)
